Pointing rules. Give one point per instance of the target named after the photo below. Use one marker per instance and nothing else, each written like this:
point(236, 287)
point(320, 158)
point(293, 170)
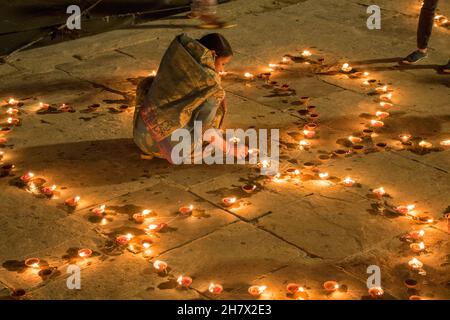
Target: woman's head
point(220, 47)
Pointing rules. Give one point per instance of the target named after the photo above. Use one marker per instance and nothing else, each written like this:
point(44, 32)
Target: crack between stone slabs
point(418, 161)
point(125, 54)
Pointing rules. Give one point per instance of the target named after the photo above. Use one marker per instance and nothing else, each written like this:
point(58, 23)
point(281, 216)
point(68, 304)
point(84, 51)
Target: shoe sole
point(413, 62)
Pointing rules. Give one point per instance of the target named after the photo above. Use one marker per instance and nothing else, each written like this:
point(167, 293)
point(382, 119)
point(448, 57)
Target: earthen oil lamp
point(48, 191)
point(379, 192)
point(123, 240)
point(310, 126)
point(405, 209)
point(415, 297)
point(358, 148)
point(156, 227)
point(417, 247)
point(84, 253)
point(381, 89)
point(5, 130)
point(43, 106)
point(304, 100)
point(99, 211)
point(411, 283)
point(184, 281)
point(26, 178)
point(215, 288)
point(368, 132)
point(346, 68)
point(331, 286)
point(229, 201)
point(147, 251)
point(256, 291)
point(366, 83)
point(153, 73)
point(13, 102)
point(309, 134)
point(186, 210)
point(72, 202)
point(286, 59)
point(249, 76)
point(404, 138)
point(33, 263)
point(376, 123)
point(293, 172)
point(309, 165)
point(304, 144)
point(294, 288)
point(324, 158)
point(382, 114)
point(12, 111)
point(348, 182)
point(314, 116)
point(249, 188)
point(416, 235)
point(311, 109)
point(138, 218)
point(376, 292)
point(445, 143)
point(12, 121)
point(306, 53)
point(425, 145)
point(415, 264)
point(386, 105)
point(340, 153)
point(381, 146)
point(160, 266)
point(354, 140)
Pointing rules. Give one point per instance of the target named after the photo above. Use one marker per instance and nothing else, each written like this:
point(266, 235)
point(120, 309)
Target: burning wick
point(366, 83)
point(285, 59)
point(380, 192)
point(405, 209)
point(248, 75)
point(49, 191)
point(306, 53)
point(331, 286)
point(376, 123)
point(309, 134)
point(304, 144)
point(156, 227)
point(353, 139)
point(27, 177)
point(382, 114)
point(186, 210)
point(215, 288)
point(346, 67)
point(424, 144)
point(229, 201)
point(376, 292)
point(84, 253)
point(33, 263)
point(256, 291)
point(12, 121)
point(417, 247)
point(366, 74)
point(12, 111)
point(415, 264)
point(153, 73)
point(324, 175)
point(386, 105)
point(160, 266)
point(445, 143)
point(386, 97)
point(348, 182)
point(405, 137)
point(124, 239)
point(381, 89)
point(72, 202)
point(293, 288)
point(184, 281)
point(416, 235)
point(13, 102)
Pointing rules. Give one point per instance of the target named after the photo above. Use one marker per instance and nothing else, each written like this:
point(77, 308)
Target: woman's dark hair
point(218, 43)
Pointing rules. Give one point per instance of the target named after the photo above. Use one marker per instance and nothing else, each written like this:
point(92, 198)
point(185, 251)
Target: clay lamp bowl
point(331, 286)
point(340, 153)
point(367, 132)
point(294, 288)
point(33, 263)
point(304, 99)
point(311, 126)
point(324, 158)
point(415, 297)
point(5, 130)
point(6, 169)
point(292, 172)
point(381, 146)
point(309, 165)
point(358, 148)
point(311, 109)
point(18, 294)
point(411, 283)
point(84, 253)
point(376, 292)
point(248, 188)
point(314, 116)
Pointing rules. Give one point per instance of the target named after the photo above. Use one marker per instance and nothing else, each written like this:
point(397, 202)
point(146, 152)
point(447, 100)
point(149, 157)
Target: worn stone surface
point(303, 230)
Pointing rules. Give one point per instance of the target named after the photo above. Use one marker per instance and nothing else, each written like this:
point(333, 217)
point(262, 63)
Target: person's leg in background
point(206, 10)
point(424, 29)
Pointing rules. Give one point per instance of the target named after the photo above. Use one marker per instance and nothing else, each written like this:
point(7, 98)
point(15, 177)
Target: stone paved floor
point(307, 232)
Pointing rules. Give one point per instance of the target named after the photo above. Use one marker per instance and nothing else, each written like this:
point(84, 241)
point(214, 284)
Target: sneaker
point(414, 57)
point(446, 68)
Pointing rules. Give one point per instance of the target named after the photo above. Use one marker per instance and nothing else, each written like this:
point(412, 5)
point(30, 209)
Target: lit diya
point(99, 211)
point(376, 123)
point(376, 292)
point(27, 177)
point(72, 202)
point(33, 263)
point(286, 59)
point(445, 143)
point(13, 121)
point(310, 126)
point(331, 286)
point(124, 239)
point(249, 188)
point(381, 89)
point(382, 114)
point(160, 266)
point(424, 144)
point(416, 235)
point(379, 192)
point(184, 281)
point(13, 102)
point(215, 288)
point(186, 210)
point(348, 182)
point(354, 140)
point(156, 227)
point(386, 105)
point(304, 144)
point(346, 68)
point(229, 201)
point(415, 264)
point(293, 288)
point(48, 191)
point(306, 53)
point(84, 253)
point(248, 76)
point(153, 73)
point(404, 138)
point(139, 217)
point(309, 134)
point(256, 291)
point(12, 111)
point(324, 175)
point(405, 209)
point(417, 247)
